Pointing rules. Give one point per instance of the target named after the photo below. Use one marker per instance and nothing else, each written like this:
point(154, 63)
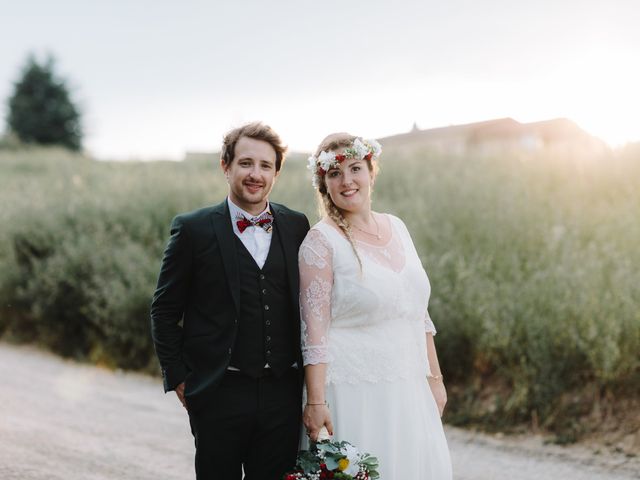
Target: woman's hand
point(314, 418)
point(439, 392)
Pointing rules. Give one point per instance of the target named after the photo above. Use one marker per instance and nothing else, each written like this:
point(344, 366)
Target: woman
point(372, 373)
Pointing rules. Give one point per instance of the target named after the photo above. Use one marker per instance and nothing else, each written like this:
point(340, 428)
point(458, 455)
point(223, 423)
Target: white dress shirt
point(256, 239)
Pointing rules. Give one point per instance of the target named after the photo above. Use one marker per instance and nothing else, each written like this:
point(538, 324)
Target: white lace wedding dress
point(369, 327)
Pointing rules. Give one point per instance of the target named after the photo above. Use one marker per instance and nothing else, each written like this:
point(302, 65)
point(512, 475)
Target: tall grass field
point(534, 263)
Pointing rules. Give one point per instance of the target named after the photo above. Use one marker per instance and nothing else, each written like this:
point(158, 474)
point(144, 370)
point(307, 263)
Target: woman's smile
point(349, 193)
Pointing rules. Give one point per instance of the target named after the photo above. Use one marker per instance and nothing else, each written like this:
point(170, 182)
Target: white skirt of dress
point(398, 422)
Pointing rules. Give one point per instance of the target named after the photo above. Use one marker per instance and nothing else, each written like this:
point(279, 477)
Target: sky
point(155, 79)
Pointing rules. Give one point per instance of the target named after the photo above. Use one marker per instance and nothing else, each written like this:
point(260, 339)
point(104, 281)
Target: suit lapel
point(289, 248)
point(226, 240)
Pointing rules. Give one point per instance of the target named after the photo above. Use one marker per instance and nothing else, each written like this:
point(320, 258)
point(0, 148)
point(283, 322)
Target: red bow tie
point(264, 221)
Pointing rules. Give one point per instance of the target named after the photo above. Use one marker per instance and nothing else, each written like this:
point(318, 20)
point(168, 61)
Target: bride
point(371, 368)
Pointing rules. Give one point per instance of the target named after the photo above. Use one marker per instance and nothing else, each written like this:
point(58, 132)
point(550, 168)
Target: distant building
point(504, 135)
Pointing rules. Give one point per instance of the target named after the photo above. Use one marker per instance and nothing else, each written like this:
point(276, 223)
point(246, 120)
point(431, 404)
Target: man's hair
point(257, 131)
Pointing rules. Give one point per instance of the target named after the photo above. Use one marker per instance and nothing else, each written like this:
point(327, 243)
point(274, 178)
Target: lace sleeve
point(315, 260)
point(429, 327)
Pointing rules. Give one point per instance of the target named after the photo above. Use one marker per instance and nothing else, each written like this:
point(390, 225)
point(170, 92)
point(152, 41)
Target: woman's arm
point(315, 261)
point(316, 411)
point(435, 377)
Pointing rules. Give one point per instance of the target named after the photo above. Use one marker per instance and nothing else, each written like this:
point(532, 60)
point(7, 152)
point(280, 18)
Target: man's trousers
point(251, 424)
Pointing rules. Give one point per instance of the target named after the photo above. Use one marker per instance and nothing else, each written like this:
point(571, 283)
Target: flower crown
point(361, 149)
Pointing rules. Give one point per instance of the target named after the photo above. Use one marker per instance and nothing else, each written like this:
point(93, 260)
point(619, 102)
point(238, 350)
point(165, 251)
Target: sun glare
point(599, 92)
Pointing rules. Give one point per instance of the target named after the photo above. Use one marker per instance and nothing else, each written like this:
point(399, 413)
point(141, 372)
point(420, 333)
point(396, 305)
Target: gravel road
point(60, 420)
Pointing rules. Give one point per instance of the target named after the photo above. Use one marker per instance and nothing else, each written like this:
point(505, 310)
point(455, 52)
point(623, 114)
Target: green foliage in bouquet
point(334, 460)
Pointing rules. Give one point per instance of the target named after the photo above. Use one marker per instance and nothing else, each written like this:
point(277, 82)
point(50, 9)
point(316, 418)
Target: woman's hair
point(326, 205)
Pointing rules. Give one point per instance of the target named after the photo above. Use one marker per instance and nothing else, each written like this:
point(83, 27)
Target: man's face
point(251, 174)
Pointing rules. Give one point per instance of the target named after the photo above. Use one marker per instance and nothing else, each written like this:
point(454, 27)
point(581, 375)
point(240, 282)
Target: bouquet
point(333, 460)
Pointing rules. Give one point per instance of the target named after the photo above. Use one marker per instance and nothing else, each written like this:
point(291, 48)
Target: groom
point(225, 318)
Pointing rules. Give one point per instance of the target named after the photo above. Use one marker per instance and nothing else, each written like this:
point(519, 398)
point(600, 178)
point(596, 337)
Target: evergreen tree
point(40, 109)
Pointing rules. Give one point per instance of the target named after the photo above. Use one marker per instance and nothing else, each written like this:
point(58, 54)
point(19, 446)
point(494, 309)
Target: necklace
point(377, 234)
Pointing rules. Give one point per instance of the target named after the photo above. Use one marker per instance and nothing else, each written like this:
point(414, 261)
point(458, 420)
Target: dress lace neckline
point(359, 240)
point(379, 255)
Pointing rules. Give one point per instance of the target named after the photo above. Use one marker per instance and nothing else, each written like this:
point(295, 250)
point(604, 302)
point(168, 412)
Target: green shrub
point(533, 264)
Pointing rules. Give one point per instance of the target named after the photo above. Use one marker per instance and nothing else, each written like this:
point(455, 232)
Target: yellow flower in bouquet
point(343, 463)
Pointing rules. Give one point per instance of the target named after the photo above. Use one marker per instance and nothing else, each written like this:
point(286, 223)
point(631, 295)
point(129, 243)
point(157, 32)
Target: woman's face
point(349, 185)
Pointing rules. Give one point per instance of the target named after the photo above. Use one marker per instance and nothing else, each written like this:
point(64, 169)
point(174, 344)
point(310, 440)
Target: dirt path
point(63, 421)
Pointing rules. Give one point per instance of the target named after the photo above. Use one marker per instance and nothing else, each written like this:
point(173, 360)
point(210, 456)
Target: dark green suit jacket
point(194, 313)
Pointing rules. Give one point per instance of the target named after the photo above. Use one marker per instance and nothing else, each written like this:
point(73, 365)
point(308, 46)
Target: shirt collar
point(235, 210)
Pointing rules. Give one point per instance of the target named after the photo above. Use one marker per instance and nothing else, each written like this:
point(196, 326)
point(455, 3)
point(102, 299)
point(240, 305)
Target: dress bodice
point(369, 323)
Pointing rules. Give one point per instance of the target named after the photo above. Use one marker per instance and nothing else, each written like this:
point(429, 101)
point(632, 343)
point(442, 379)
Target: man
point(225, 317)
